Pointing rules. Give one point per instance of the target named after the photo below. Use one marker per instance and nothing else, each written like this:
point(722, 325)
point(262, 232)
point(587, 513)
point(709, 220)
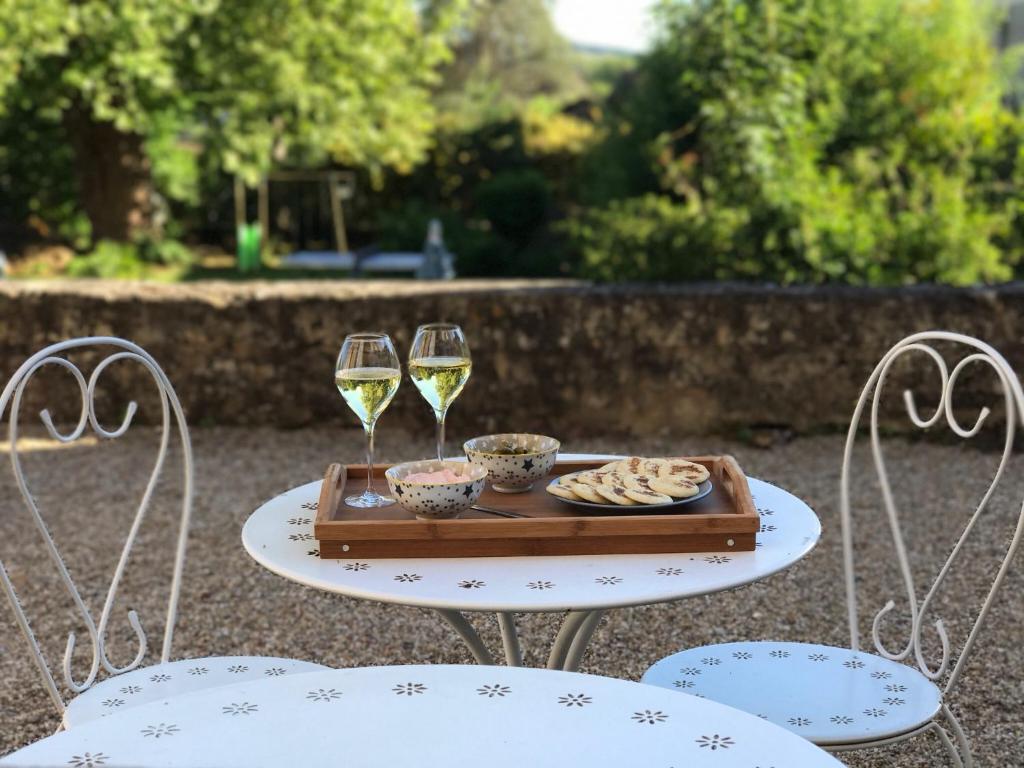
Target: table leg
point(566, 652)
point(563, 642)
point(469, 635)
point(580, 642)
point(510, 639)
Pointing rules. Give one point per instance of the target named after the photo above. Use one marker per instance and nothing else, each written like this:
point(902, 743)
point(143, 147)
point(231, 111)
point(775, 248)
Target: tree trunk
point(115, 183)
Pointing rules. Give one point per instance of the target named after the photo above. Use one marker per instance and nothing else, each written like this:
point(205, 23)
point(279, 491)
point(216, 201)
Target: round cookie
point(677, 488)
point(567, 480)
point(593, 477)
point(617, 477)
point(639, 482)
point(616, 494)
point(630, 464)
point(557, 489)
point(632, 482)
point(648, 497)
point(588, 493)
point(681, 469)
point(637, 465)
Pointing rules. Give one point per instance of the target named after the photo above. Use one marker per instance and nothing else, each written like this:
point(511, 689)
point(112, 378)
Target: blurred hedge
point(497, 189)
point(856, 141)
point(861, 141)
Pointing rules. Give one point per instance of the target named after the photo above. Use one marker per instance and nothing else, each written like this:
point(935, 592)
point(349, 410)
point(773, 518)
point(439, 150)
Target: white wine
point(440, 379)
point(368, 390)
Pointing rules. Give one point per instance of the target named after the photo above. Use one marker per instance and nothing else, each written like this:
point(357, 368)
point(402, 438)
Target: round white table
point(279, 536)
point(450, 716)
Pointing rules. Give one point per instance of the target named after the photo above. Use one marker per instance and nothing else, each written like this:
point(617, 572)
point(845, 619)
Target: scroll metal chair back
point(949, 665)
point(847, 698)
point(10, 405)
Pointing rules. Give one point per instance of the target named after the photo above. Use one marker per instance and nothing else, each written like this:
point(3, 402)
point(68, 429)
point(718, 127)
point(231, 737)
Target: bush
point(497, 187)
point(109, 260)
point(647, 238)
point(515, 204)
point(144, 259)
point(405, 229)
point(860, 141)
point(504, 232)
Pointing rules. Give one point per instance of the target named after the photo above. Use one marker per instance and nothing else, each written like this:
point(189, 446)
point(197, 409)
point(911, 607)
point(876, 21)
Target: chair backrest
point(11, 399)
point(973, 352)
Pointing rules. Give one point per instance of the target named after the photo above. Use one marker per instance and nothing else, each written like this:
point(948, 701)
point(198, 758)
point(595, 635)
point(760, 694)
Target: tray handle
point(737, 481)
point(330, 493)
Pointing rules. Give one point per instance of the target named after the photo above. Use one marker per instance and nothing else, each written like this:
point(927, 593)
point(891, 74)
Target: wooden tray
point(724, 520)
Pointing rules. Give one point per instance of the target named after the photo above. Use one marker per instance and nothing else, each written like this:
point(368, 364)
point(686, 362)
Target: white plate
point(703, 489)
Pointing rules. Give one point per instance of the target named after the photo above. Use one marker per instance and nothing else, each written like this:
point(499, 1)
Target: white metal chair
point(848, 698)
point(134, 683)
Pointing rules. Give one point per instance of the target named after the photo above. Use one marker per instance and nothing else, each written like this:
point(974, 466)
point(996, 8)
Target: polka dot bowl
point(436, 501)
point(513, 472)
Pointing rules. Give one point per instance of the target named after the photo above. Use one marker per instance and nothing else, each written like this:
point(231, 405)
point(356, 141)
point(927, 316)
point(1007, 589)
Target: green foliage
point(109, 260)
point(504, 164)
point(809, 140)
point(448, 187)
point(649, 238)
point(175, 161)
point(37, 181)
point(508, 53)
point(250, 84)
point(515, 203)
point(602, 70)
point(143, 259)
point(295, 78)
point(857, 141)
point(167, 252)
point(504, 232)
point(547, 130)
point(405, 229)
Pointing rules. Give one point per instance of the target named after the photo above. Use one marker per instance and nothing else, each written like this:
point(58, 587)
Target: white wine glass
point(439, 365)
point(367, 375)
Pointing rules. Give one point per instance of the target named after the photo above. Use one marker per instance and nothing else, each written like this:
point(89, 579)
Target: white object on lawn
point(97, 631)
point(397, 261)
point(849, 698)
point(320, 260)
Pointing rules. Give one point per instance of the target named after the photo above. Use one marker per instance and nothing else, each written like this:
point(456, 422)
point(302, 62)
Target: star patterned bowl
point(514, 461)
point(436, 501)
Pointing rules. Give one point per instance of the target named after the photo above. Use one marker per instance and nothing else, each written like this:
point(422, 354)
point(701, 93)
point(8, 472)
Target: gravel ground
point(230, 605)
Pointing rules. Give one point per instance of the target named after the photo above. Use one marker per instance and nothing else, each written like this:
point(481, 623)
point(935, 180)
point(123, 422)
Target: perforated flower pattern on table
point(141, 686)
point(490, 691)
point(853, 695)
point(244, 708)
point(88, 760)
point(530, 713)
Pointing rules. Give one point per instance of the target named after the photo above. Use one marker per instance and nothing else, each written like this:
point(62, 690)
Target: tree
point(253, 83)
point(812, 140)
point(506, 53)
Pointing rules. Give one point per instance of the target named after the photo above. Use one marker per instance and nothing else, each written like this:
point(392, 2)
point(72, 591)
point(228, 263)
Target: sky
point(607, 23)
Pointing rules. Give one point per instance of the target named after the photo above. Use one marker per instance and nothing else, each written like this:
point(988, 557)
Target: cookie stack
point(633, 481)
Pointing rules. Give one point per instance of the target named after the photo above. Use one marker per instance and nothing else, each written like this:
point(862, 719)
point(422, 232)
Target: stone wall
point(562, 358)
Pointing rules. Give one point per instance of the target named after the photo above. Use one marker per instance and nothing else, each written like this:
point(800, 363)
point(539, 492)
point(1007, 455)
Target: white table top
point(450, 716)
point(279, 536)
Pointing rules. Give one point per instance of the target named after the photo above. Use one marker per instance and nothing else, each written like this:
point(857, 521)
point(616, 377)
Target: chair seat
point(146, 684)
point(827, 695)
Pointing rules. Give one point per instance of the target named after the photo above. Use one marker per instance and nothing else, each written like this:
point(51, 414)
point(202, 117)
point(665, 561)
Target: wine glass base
point(369, 500)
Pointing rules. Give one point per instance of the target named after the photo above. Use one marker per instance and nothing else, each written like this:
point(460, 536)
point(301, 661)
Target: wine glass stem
point(440, 435)
point(369, 457)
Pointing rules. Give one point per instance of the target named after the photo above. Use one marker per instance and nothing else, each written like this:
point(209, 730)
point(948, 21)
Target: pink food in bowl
point(440, 476)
